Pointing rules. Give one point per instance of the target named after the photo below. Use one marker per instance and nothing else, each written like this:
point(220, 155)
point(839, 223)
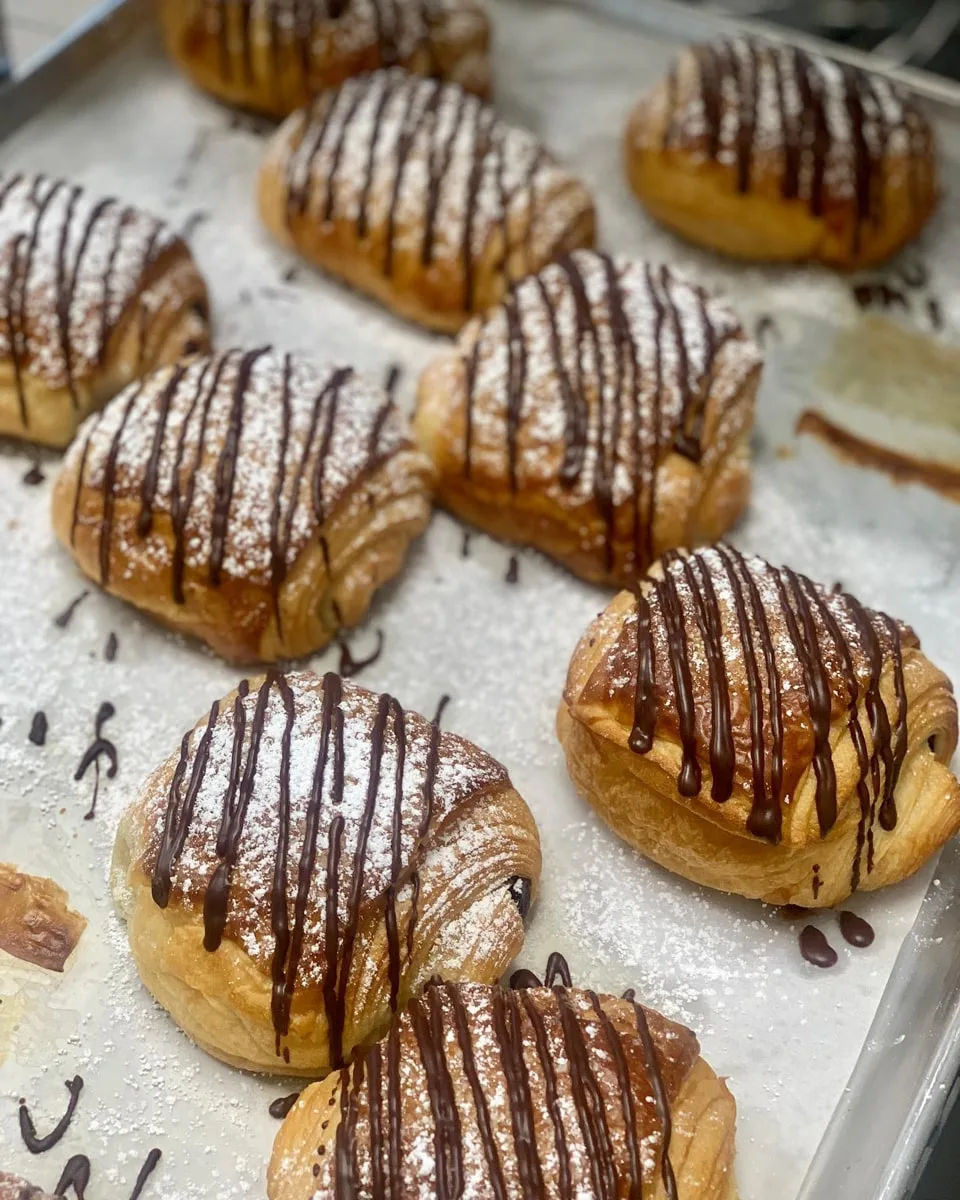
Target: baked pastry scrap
point(309, 857)
point(602, 413)
point(37, 923)
point(416, 193)
point(482, 1091)
point(750, 730)
point(764, 152)
point(254, 499)
point(93, 294)
point(13, 1187)
point(274, 56)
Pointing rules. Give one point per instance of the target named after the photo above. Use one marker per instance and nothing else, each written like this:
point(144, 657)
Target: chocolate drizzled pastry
point(763, 150)
point(307, 859)
point(93, 293)
point(482, 1091)
point(252, 498)
point(274, 56)
point(601, 413)
point(416, 193)
point(758, 733)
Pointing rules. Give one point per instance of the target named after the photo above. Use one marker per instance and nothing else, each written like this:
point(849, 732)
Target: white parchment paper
point(785, 1034)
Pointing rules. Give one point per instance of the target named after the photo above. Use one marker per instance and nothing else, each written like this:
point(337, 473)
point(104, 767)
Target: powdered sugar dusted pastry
point(254, 499)
point(307, 860)
point(480, 1091)
point(748, 729)
point(602, 413)
point(764, 151)
point(416, 193)
point(12, 1187)
point(93, 294)
point(274, 56)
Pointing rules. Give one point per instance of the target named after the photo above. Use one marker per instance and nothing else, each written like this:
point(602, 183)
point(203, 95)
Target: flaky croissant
point(493, 1093)
point(748, 729)
point(309, 857)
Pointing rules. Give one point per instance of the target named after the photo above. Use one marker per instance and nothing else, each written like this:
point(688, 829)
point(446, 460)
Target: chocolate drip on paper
point(100, 746)
point(856, 931)
point(628, 404)
point(518, 1023)
point(816, 949)
point(811, 619)
point(339, 936)
point(283, 1105)
point(38, 729)
point(63, 619)
point(76, 1175)
point(28, 1131)
point(149, 1166)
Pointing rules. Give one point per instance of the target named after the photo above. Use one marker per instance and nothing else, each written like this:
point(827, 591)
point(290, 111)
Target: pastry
point(93, 294)
point(750, 730)
point(37, 924)
point(12, 1187)
point(416, 193)
point(254, 499)
point(543, 1092)
point(765, 152)
point(307, 859)
point(274, 56)
point(602, 413)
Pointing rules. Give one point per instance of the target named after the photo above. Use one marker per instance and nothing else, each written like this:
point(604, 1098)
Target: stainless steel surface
point(132, 126)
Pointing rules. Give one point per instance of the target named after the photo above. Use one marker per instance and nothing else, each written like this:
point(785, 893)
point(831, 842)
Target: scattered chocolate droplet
point(935, 313)
point(350, 666)
point(513, 570)
point(34, 476)
point(465, 544)
point(856, 930)
point(282, 1105)
point(914, 274)
point(62, 620)
point(110, 649)
point(765, 325)
point(38, 729)
point(816, 949)
point(91, 756)
point(290, 274)
point(146, 1171)
point(792, 912)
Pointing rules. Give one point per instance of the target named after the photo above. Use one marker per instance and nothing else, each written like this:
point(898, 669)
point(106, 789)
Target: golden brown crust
point(415, 193)
point(93, 294)
point(527, 449)
point(194, 496)
point(465, 1026)
point(37, 924)
point(780, 831)
point(12, 1187)
point(765, 152)
point(275, 56)
point(464, 837)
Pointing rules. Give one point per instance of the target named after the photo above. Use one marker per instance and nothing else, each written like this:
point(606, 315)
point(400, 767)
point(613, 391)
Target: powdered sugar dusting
point(61, 245)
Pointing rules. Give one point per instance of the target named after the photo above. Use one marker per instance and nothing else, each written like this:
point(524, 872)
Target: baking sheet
point(786, 1035)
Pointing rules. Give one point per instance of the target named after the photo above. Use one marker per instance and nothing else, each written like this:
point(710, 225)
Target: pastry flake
point(765, 151)
point(274, 56)
point(93, 294)
point(754, 732)
point(254, 499)
point(307, 859)
point(602, 413)
point(37, 924)
point(482, 1091)
point(416, 193)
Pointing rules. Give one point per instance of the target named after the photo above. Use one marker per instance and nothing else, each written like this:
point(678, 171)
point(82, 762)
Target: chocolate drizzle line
point(149, 1166)
point(339, 936)
point(350, 666)
point(807, 141)
point(111, 647)
point(585, 385)
point(28, 1131)
point(91, 756)
point(68, 275)
point(76, 1175)
point(811, 619)
point(440, 1011)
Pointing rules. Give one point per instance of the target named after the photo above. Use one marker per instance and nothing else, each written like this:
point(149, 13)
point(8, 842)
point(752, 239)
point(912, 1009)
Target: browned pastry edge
point(36, 923)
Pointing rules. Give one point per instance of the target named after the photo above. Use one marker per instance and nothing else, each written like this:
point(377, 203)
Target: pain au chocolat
point(309, 857)
point(415, 192)
point(274, 56)
point(254, 499)
point(602, 413)
point(540, 1092)
point(750, 730)
point(766, 152)
point(93, 294)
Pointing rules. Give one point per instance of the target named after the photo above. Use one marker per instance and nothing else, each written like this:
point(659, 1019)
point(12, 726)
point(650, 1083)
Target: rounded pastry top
point(242, 454)
point(545, 1091)
point(70, 264)
point(747, 666)
point(814, 129)
point(310, 789)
